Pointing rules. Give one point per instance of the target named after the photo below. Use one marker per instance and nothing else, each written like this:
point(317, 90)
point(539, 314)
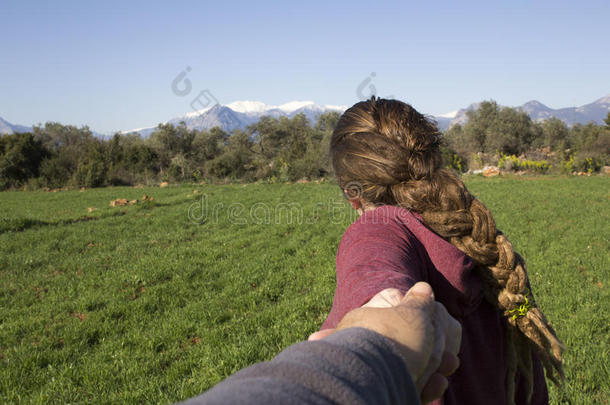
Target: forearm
point(353, 366)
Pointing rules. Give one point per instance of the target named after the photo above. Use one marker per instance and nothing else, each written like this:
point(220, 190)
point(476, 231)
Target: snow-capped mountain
point(444, 121)
point(8, 128)
point(240, 114)
point(593, 112)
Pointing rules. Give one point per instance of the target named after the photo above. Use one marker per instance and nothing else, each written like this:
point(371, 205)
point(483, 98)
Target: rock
point(119, 202)
point(490, 171)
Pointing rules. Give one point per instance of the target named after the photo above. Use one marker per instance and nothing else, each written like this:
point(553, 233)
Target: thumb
point(321, 334)
point(420, 291)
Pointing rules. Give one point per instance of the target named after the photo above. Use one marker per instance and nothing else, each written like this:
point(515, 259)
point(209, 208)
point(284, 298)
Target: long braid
point(392, 151)
point(504, 273)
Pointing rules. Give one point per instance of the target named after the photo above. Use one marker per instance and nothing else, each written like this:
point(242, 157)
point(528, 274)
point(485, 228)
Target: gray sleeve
point(352, 366)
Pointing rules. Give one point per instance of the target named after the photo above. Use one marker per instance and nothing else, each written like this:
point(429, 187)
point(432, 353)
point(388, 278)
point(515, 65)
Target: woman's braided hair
point(392, 152)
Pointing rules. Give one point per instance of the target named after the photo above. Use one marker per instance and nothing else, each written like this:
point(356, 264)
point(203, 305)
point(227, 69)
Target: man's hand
point(429, 337)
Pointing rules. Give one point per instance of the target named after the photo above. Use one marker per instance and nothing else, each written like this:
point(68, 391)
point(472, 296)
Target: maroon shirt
point(390, 247)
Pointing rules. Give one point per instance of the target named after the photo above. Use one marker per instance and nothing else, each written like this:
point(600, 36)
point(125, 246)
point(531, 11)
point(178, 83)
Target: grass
point(157, 302)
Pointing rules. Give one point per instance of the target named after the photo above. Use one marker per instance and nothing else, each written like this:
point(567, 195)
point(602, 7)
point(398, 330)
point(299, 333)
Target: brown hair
point(392, 153)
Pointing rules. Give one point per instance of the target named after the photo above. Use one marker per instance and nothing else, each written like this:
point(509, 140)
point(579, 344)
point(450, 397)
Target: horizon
point(112, 66)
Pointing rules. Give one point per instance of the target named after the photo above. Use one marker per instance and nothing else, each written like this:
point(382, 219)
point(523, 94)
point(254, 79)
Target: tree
point(93, 166)
point(480, 121)
point(327, 122)
point(207, 145)
point(169, 140)
point(554, 134)
point(67, 145)
point(590, 138)
point(299, 136)
point(511, 132)
point(20, 158)
point(139, 162)
point(491, 129)
point(236, 159)
point(268, 137)
point(56, 136)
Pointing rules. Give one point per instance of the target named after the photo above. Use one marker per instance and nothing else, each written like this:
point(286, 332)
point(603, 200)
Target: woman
point(419, 223)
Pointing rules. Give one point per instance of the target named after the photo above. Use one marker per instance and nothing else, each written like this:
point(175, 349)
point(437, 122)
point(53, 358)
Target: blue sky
point(110, 64)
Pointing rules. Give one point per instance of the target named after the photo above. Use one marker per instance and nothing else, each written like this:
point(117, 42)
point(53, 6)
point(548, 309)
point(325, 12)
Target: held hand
point(390, 297)
point(429, 337)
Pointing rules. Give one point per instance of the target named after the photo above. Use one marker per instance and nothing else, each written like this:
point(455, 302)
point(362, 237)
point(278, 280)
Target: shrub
point(568, 166)
point(91, 174)
point(511, 162)
point(56, 172)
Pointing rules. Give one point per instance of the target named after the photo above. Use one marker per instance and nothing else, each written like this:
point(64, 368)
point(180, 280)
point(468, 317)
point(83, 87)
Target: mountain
point(593, 112)
point(445, 121)
point(8, 128)
point(240, 114)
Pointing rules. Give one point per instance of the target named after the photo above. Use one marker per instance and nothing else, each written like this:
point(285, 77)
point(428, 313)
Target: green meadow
point(157, 301)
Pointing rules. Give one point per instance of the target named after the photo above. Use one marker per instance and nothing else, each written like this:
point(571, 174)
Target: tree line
point(56, 155)
point(497, 135)
point(273, 149)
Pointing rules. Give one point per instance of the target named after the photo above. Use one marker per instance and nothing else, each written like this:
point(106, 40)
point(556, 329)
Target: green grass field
point(156, 302)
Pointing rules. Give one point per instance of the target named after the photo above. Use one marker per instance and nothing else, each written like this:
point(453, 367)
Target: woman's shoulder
point(384, 221)
point(394, 229)
point(386, 229)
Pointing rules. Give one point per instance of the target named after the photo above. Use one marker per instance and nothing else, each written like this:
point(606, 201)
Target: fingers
point(446, 337)
point(430, 337)
point(449, 363)
point(449, 327)
point(434, 389)
point(321, 334)
point(419, 298)
point(439, 323)
point(390, 297)
point(420, 289)
point(454, 335)
point(437, 384)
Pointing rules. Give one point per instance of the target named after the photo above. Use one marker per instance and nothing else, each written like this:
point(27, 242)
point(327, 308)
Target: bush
point(582, 163)
point(511, 162)
point(92, 174)
point(56, 172)
point(20, 159)
point(453, 160)
point(588, 164)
